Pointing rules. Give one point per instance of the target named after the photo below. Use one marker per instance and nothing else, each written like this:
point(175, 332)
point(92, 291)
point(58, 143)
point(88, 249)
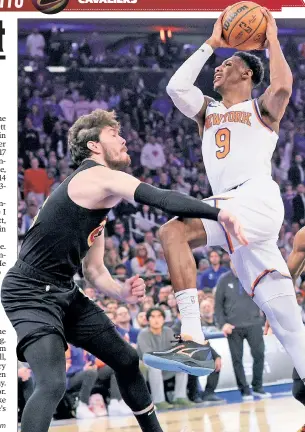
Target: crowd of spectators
point(165, 150)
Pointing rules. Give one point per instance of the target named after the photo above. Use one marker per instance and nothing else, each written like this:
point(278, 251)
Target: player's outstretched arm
point(296, 259)
point(98, 276)
point(274, 101)
point(188, 98)
point(120, 184)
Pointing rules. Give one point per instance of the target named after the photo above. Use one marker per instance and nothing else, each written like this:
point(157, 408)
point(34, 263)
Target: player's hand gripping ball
point(50, 6)
point(244, 26)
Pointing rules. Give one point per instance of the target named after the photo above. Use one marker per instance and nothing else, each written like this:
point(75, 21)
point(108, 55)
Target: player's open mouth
point(217, 77)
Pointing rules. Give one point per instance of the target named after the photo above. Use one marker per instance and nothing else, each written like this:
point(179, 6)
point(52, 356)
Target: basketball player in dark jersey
point(38, 294)
point(296, 265)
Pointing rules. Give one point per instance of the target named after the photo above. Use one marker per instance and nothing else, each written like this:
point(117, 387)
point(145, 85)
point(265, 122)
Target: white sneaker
point(125, 408)
point(261, 394)
point(118, 408)
point(83, 411)
point(247, 398)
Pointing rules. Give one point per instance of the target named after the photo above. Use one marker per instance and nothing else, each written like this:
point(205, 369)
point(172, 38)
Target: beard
point(118, 163)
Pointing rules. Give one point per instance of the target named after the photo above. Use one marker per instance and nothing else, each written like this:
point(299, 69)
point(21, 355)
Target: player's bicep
point(93, 262)
point(121, 185)
point(273, 102)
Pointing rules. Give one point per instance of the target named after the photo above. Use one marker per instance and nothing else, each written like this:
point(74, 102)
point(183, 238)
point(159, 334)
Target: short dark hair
point(154, 309)
point(88, 128)
point(255, 64)
point(120, 266)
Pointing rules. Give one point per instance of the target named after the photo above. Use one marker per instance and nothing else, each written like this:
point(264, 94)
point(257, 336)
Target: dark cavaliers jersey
point(62, 232)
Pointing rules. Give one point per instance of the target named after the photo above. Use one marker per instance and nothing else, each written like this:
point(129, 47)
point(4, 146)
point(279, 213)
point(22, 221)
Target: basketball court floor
point(269, 415)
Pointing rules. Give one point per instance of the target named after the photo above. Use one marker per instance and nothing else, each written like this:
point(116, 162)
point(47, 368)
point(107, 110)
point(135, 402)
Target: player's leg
point(178, 238)
point(46, 357)
point(276, 297)
point(87, 326)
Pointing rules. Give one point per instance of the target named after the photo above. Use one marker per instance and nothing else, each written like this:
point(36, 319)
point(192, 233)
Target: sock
point(148, 421)
point(188, 305)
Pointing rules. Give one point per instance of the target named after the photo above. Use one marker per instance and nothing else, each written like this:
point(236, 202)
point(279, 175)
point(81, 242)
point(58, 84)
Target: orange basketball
point(244, 26)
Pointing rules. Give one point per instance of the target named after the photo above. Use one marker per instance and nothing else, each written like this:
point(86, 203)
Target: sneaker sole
point(266, 396)
point(174, 366)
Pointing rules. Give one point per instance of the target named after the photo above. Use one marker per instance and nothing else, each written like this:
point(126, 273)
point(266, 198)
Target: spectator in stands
point(120, 272)
point(28, 139)
point(119, 234)
point(298, 203)
point(82, 105)
point(112, 306)
point(207, 316)
point(35, 44)
point(81, 376)
point(161, 264)
point(296, 172)
point(145, 218)
point(141, 320)
point(239, 318)
point(123, 320)
point(25, 386)
point(99, 102)
point(138, 262)
point(152, 155)
point(157, 337)
point(36, 182)
point(67, 105)
point(211, 275)
point(28, 217)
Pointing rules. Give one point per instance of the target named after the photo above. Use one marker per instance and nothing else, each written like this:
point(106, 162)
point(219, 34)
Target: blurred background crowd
point(66, 72)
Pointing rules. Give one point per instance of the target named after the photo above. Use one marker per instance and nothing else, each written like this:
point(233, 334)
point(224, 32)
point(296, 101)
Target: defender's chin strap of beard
point(188, 98)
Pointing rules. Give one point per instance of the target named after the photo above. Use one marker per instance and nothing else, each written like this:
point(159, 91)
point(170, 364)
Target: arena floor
point(270, 415)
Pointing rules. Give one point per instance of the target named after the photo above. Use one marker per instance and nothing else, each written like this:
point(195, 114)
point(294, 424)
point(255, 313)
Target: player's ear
point(93, 146)
point(246, 74)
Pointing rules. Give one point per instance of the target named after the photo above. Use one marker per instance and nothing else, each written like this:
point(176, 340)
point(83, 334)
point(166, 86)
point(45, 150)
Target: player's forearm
point(100, 279)
point(188, 98)
point(280, 72)
point(174, 202)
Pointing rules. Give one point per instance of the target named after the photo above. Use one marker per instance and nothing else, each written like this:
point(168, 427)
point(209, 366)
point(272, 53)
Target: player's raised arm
point(296, 259)
point(274, 101)
point(188, 98)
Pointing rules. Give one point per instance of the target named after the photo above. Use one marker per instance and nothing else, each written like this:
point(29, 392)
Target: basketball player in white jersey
point(239, 136)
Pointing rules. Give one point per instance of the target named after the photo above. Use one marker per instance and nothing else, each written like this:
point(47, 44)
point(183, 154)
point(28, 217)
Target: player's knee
point(130, 362)
point(171, 231)
point(54, 388)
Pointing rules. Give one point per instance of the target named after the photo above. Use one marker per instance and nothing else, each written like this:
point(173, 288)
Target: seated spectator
point(161, 264)
point(203, 265)
point(28, 217)
point(150, 265)
point(119, 234)
point(211, 275)
point(112, 259)
point(120, 272)
point(151, 244)
point(123, 320)
point(36, 182)
point(112, 306)
point(299, 206)
point(152, 155)
point(25, 386)
point(207, 316)
point(138, 262)
point(145, 218)
point(81, 376)
point(164, 293)
point(157, 337)
point(141, 320)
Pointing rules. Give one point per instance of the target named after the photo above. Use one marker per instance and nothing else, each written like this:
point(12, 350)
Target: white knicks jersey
point(237, 145)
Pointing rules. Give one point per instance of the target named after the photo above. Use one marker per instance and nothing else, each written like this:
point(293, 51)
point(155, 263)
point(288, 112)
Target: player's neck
point(233, 97)
point(98, 159)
